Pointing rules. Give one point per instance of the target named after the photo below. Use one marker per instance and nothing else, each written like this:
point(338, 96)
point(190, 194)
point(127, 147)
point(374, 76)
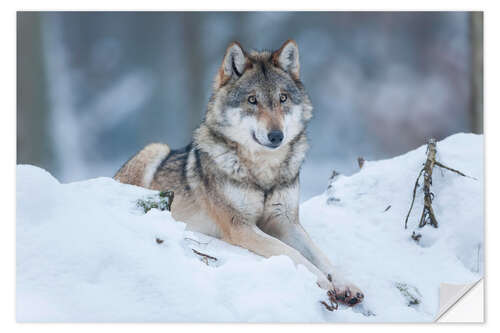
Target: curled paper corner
point(455, 305)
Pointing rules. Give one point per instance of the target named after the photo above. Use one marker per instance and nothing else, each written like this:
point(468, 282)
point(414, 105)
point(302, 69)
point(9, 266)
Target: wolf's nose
point(275, 137)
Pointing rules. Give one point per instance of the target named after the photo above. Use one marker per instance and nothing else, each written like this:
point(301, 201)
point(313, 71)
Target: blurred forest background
point(95, 87)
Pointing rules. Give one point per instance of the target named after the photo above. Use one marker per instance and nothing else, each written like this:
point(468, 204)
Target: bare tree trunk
point(33, 139)
point(193, 23)
point(476, 68)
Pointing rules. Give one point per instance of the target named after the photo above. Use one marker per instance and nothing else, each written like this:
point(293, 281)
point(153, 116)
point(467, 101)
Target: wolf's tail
point(141, 168)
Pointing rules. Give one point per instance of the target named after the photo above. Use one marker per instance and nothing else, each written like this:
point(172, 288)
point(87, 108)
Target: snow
point(87, 253)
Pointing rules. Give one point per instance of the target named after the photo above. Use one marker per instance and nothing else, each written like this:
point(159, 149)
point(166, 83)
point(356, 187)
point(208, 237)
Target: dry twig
point(204, 256)
point(413, 199)
point(428, 216)
point(361, 162)
point(333, 178)
point(416, 237)
point(331, 198)
point(454, 170)
point(196, 241)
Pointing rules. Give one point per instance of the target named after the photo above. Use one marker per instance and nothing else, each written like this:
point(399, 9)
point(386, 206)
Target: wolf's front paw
point(348, 294)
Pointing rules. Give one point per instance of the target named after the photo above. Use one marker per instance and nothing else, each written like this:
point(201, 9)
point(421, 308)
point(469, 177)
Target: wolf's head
point(258, 100)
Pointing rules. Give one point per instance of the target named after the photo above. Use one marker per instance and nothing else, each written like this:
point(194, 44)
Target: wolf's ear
point(234, 64)
point(287, 58)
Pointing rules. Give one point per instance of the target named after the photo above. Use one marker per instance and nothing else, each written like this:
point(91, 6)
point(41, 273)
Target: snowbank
point(86, 252)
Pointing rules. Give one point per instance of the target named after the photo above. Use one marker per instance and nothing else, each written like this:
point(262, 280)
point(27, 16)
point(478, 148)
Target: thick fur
point(234, 181)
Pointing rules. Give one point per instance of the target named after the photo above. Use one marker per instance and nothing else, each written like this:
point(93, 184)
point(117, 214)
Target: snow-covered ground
point(86, 252)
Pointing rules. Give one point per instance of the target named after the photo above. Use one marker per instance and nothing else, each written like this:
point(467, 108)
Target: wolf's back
point(140, 169)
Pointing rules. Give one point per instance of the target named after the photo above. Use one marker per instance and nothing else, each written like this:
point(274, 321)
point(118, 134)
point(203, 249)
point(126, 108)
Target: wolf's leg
point(282, 222)
point(237, 230)
point(294, 235)
point(255, 240)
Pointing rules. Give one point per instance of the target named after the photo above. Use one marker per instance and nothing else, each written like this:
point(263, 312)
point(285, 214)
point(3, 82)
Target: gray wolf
point(238, 179)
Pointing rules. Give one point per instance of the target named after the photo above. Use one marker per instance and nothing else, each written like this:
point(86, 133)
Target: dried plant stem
point(204, 256)
point(196, 241)
point(413, 199)
point(428, 216)
point(361, 162)
point(453, 170)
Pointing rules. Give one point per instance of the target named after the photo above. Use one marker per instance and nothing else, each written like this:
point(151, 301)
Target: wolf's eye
point(252, 100)
point(283, 98)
